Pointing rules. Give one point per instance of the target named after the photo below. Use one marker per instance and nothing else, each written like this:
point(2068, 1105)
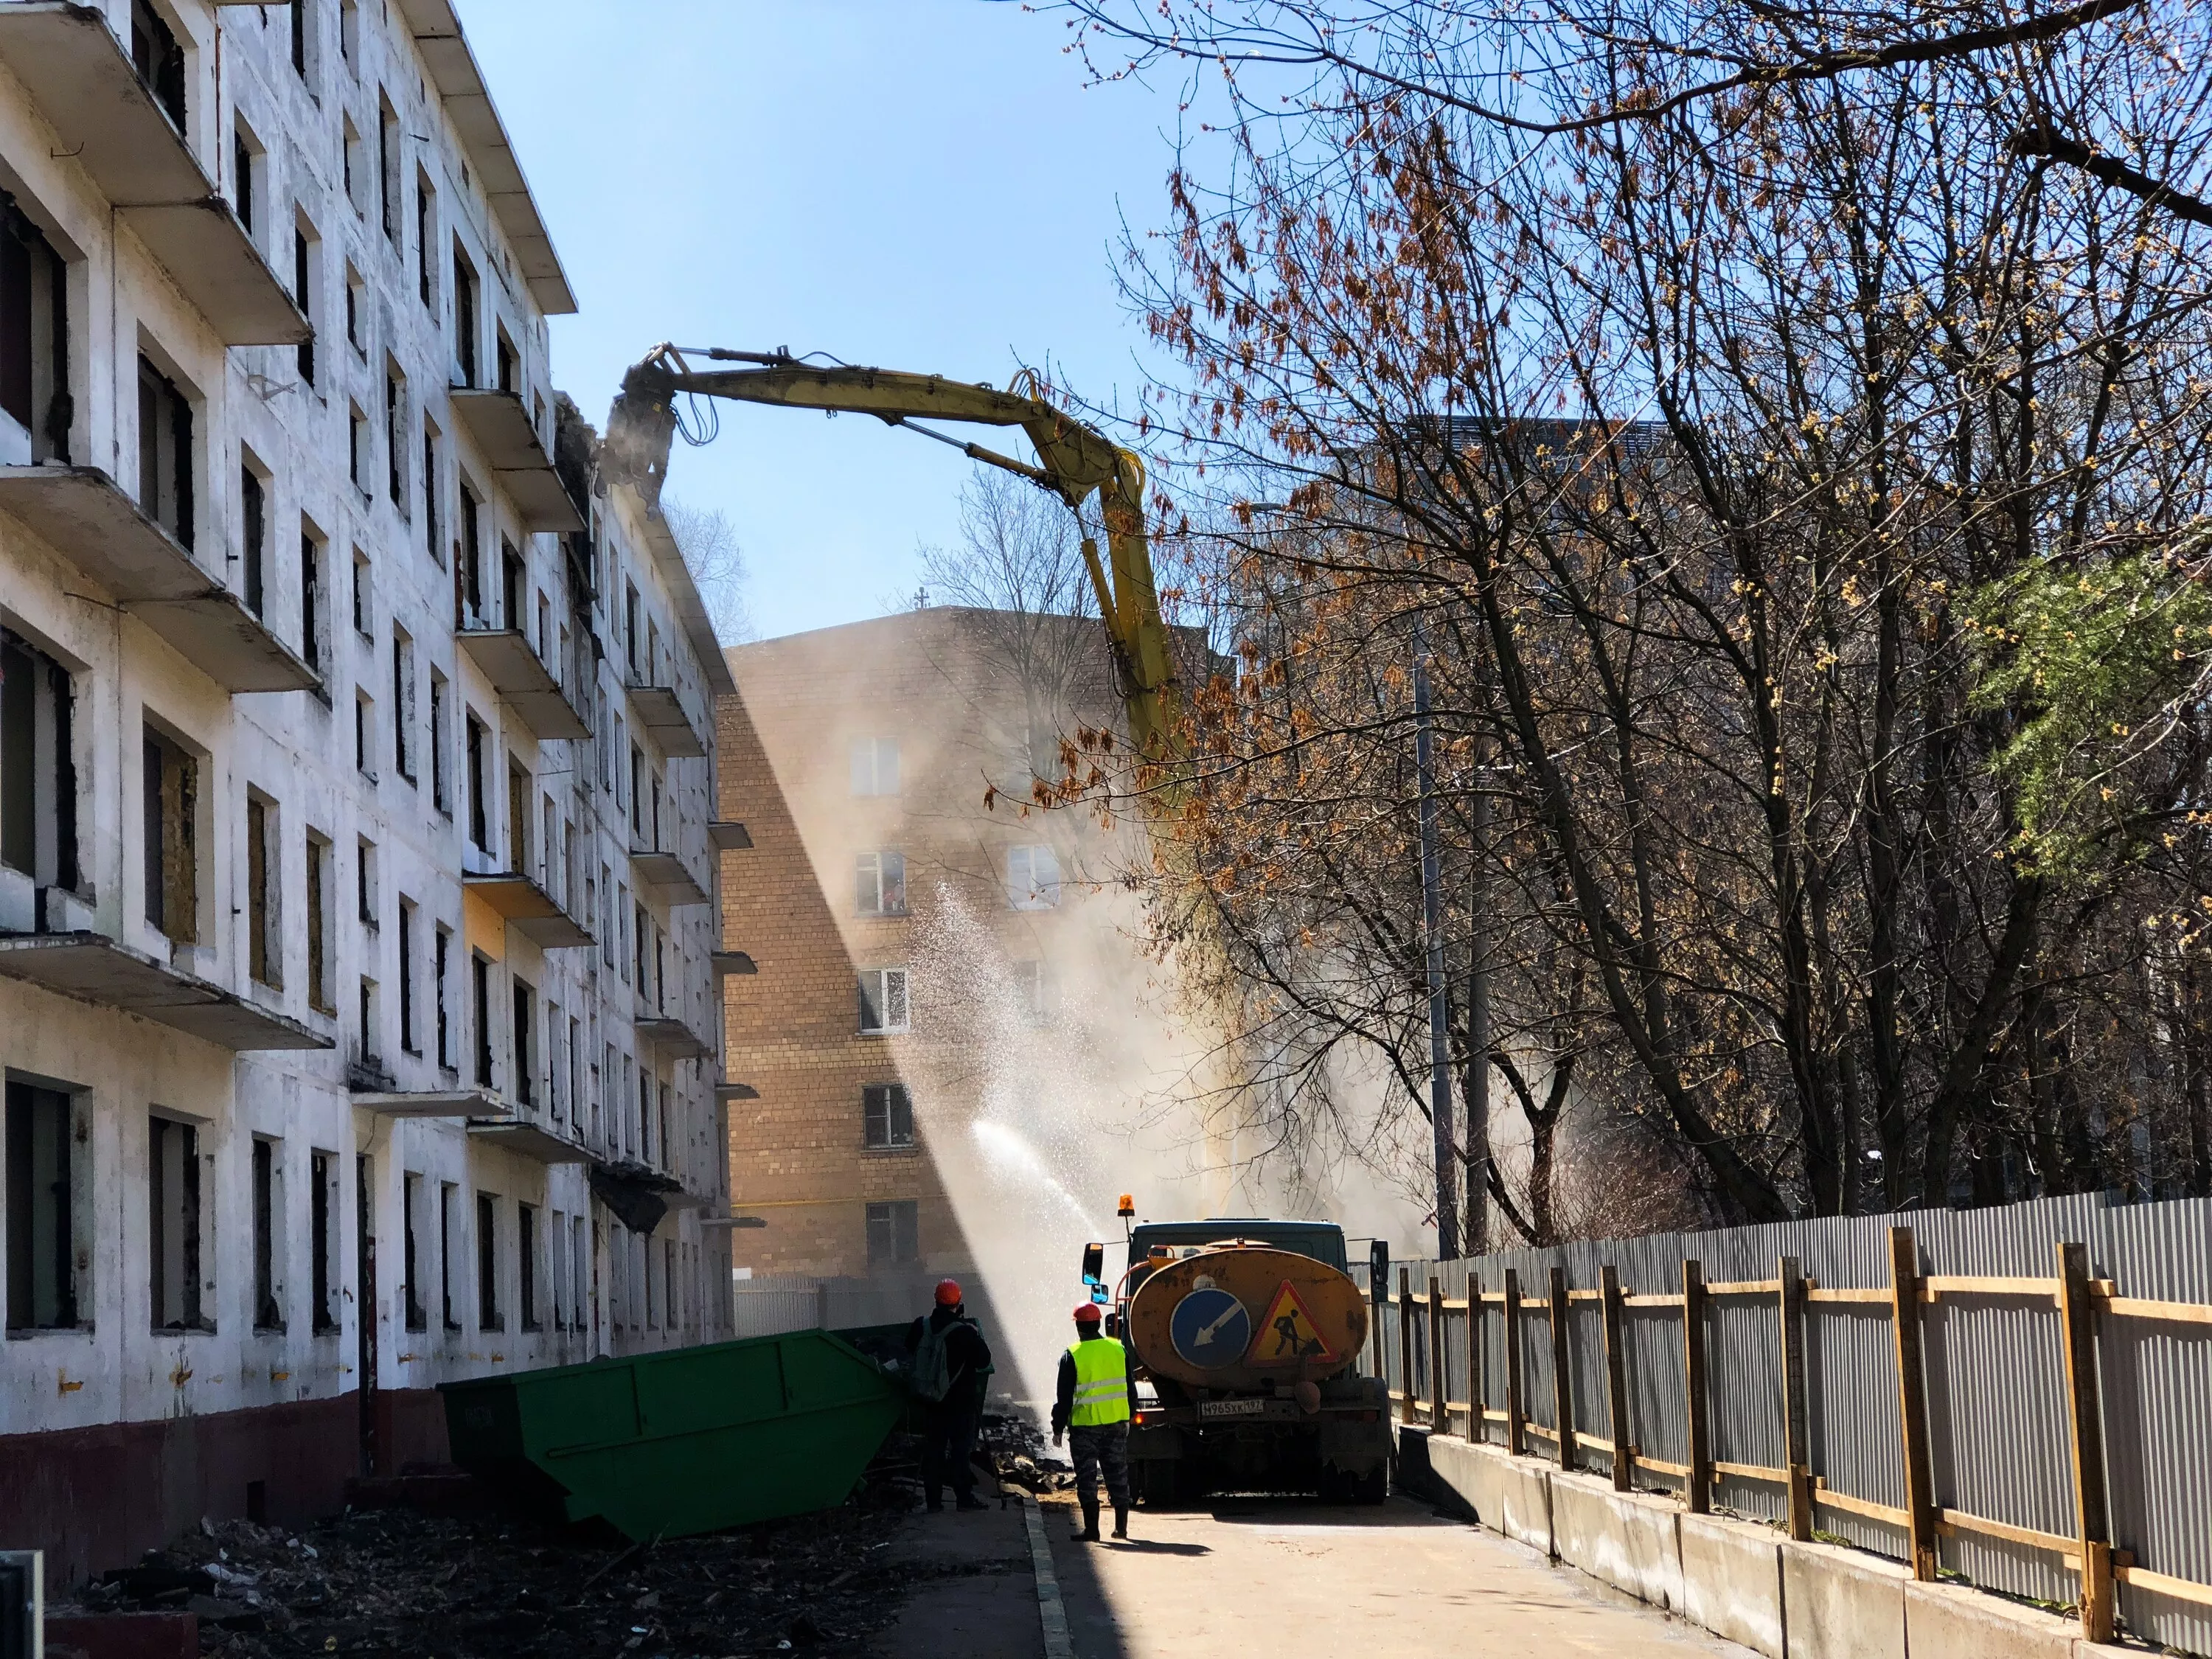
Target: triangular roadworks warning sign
point(1288, 1334)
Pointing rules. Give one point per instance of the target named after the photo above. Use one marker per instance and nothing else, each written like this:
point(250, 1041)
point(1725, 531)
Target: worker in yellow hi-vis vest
point(1098, 1393)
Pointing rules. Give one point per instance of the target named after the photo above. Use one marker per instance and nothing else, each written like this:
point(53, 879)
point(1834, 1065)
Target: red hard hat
point(948, 1292)
point(1086, 1313)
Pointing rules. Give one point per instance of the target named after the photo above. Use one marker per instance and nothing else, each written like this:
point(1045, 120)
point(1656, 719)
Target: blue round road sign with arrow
point(1210, 1327)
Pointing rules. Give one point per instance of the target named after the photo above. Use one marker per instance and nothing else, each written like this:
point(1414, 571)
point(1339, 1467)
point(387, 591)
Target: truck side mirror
point(1378, 1268)
point(1094, 1264)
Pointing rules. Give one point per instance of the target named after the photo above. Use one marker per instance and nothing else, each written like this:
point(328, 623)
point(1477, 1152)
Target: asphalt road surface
point(1255, 1576)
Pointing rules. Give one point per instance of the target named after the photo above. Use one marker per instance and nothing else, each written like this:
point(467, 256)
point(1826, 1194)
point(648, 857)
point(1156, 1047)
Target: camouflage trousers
point(1105, 1449)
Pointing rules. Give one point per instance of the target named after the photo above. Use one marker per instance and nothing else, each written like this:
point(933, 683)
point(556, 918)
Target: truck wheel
point(1373, 1487)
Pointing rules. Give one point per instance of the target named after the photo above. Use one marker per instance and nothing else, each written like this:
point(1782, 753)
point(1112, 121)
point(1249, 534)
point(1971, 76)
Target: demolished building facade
point(358, 1000)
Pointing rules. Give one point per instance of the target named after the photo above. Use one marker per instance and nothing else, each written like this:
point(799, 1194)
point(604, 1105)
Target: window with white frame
point(1033, 991)
point(886, 1117)
point(880, 884)
point(883, 999)
point(875, 765)
point(1032, 877)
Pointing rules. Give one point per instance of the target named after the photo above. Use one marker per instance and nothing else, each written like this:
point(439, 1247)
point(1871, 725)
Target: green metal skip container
point(687, 1440)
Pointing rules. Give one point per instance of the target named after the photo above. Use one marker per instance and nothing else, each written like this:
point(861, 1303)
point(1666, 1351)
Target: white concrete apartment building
point(358, 1007)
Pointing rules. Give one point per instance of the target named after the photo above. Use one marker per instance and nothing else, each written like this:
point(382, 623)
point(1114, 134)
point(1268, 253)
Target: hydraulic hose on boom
point(1073, 461)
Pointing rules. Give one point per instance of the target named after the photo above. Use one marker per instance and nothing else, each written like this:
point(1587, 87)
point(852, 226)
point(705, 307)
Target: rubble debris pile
point(488, 1586)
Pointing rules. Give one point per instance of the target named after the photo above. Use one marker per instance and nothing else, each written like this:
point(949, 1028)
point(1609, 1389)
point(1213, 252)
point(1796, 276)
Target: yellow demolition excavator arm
point(1073, 460)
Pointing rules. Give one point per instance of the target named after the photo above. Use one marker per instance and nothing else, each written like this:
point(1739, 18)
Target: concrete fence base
point(1784, 1599)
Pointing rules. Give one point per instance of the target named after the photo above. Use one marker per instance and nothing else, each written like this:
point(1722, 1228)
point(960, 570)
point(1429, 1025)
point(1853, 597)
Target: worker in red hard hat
point(1097, 1395)
point(949, 1370)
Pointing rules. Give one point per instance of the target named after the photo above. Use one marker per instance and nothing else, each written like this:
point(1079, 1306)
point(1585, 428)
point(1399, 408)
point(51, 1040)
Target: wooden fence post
point(1912, 1402)
point(1405, 1345)
point(1563, 1392)
point(1796, 1435)
point(1478, 1430)
point(1439, 1415)
point(1513, 1420)
point(2079, 1313)
point(1616, 1379)
point(1378, 1291)
point(1697, 1489)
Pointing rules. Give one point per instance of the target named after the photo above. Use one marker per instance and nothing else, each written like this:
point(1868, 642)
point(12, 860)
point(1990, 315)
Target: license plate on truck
point(1231, 1407)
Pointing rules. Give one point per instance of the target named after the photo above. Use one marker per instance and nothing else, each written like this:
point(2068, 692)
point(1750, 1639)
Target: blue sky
point(924, 185)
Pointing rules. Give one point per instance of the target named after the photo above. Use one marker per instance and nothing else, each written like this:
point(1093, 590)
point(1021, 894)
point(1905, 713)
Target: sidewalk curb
point(1052, 1612)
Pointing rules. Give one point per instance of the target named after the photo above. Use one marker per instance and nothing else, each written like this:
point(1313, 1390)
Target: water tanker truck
point(1249, 1333)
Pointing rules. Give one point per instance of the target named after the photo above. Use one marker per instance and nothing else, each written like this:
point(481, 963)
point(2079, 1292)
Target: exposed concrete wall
point(141, 1393)
point(1739, 1579)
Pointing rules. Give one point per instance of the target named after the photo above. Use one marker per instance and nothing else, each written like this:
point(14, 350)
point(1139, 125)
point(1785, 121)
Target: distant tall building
point(943, 979)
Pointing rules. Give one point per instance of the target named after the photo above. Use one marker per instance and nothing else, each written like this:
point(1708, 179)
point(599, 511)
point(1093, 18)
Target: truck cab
point(1322, 1240)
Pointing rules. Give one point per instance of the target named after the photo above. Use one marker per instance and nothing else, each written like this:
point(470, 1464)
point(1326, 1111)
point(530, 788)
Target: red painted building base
point(100, 1498)
point(123, 1636)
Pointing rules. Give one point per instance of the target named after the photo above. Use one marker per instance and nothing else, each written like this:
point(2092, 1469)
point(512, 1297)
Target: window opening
point(165, 453)
point(267, 1226)
point(320, 996)
point(158, 59)
point(526, 1261)
point(171, 801)
point(464, 319)
point(410, 1222)
point(893, 1234)
point(406, 942)
point(313, 602)
point(886, 1116)
point(426, 215)
point(488, 1315)
point(303, 292)
point(34, 343)
point(526, 1057)
point(41, 1158)
point(441, 951)
point(880, 879)
point(449, 1204)
point(1032, 877)
point(395, 440)
point(479, 825)
point(173, 1192)
point(387, 168)
point(480, 971)
point(438, 795)
point(322, 1227)
point(265, 934)
point(253, 510)
point(883, 1000)
point(38, 764)
point(875, 765)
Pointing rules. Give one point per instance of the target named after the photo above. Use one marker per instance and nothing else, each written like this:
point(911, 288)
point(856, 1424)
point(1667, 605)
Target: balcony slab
point(529, 909)
point(673, 1038)
point(501, 428)
point(668, 873)
point(530, 1141)
point(479, 1105)
point(523, 682)
point(661, 712)
point(85, 86)
point(95, 969)
point(83, 514)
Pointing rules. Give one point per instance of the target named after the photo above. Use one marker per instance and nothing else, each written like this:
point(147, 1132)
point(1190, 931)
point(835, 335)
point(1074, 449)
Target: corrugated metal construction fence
point(789, 1302)
point(2004, 1393)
